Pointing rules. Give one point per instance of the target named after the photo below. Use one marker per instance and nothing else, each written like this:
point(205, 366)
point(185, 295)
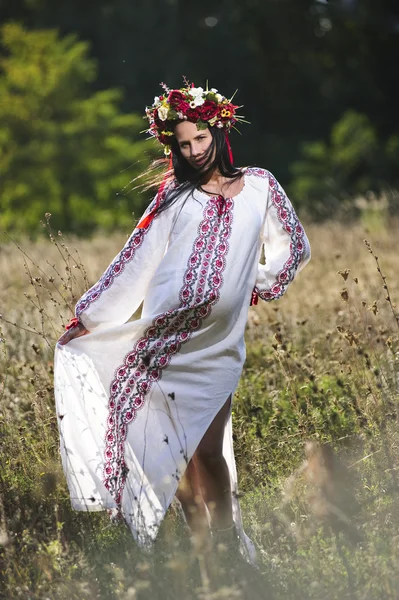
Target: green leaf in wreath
point(202, 125)
point(172, 115)
point(211, 96)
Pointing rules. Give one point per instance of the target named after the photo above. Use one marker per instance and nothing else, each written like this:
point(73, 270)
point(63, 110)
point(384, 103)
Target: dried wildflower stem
point(68, 282)
point(364, 458)
point(67, 258)
point(384, 281)
point(353, 340)
point(283, 361)
point(26, 256)
point(38, 304)
point(57, 245)
point(20, 327)
point(80, 266)
point(5, 354)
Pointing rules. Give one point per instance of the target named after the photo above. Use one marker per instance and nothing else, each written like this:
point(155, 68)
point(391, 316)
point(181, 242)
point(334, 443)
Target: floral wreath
point(190, 103)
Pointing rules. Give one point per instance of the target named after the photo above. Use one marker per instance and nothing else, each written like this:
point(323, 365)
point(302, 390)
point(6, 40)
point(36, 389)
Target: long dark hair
point(182, 177)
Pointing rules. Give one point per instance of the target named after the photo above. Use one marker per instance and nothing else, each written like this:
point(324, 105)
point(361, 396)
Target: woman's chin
point(202, 165)
point(198, 165)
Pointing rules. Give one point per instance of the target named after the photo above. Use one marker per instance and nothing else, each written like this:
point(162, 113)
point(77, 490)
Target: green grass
point(315, 427)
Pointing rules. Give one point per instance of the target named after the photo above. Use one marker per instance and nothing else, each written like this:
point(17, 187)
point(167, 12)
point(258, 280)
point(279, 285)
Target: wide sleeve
point(286, 247)
point(121, 289)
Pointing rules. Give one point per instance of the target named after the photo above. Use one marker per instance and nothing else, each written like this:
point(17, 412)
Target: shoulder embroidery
point(258, 172)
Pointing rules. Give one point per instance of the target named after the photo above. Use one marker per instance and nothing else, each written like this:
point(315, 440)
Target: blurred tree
point(63, 149)
point(352, 163)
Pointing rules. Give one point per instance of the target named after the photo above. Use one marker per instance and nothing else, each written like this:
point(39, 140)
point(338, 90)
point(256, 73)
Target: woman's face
point(193, 143)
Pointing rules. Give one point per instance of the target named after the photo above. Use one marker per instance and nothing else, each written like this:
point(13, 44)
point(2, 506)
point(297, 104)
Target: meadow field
point(316, 433)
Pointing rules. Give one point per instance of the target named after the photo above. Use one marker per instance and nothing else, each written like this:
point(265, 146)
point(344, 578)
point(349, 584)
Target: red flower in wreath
point(164, 139)
point(192, 114)
point(175, 99)
point(226, 111)
point(208, 110)
point(182, 107)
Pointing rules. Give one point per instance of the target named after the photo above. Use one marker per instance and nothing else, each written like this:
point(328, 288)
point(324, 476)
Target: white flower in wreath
point(157, 101)
point(219, 97)
point(194, 92)
point(197, 96)
point(163, 112)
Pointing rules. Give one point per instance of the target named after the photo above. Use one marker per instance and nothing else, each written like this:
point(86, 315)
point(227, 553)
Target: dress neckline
point(203, 193)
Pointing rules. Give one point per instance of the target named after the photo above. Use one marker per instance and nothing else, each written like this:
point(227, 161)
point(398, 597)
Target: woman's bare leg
point(213, 472)
point(190, 498)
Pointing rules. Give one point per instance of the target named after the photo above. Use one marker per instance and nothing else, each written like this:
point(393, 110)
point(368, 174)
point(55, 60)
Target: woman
point(145, 406)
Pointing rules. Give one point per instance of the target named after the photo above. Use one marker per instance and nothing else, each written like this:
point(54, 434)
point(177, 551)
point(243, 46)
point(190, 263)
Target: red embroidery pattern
point(289, 220)
point(153, 352)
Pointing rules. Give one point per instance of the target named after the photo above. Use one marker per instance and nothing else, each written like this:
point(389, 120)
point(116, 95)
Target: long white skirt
point(159, 443)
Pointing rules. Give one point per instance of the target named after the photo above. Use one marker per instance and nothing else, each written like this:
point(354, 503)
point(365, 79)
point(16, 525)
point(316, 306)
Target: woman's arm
point(285, 244)
point(121, 289)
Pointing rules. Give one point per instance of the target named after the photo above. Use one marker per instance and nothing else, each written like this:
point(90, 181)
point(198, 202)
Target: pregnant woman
point(145, 405)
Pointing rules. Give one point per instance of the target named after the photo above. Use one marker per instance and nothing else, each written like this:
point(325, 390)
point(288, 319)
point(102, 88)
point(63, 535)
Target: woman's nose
point(195, 150)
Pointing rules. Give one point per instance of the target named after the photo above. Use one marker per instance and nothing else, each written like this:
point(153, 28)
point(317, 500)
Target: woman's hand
point(72, 333)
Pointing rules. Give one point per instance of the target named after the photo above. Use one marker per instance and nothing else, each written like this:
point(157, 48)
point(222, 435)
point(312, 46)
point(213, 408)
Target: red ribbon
point(230, 151)
point(74, 322)
point(254, 299)
point(147, 220)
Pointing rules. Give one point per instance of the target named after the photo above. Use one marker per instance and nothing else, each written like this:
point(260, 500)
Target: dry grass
point(316, 429)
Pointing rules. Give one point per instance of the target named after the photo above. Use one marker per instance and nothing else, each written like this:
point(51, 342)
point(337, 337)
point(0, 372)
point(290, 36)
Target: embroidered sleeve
point(121, 289)
point(285, 245)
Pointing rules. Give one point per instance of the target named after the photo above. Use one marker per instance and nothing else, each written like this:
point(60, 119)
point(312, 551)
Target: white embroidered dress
point(134, 399)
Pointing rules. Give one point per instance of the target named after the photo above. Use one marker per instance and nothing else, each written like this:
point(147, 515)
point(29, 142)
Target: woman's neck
point(213, 179)
point(216, 183)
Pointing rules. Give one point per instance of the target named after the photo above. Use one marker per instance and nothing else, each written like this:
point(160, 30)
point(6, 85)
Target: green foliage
point(63, 149)
point(353, 162)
